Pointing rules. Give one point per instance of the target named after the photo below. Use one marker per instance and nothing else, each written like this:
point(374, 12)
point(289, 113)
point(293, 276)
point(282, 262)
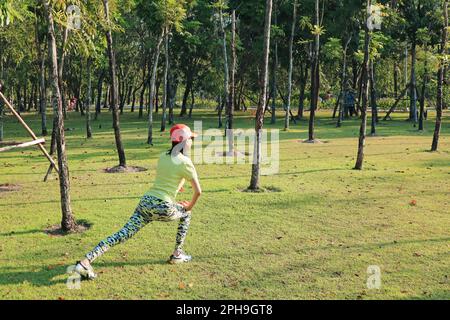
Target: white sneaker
point(86, 273)
point(181, 258)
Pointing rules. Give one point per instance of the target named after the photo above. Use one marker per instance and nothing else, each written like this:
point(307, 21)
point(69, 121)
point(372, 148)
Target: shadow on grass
point(44, 277)
point(19, 233)
point(440, 295)
point(41, 278)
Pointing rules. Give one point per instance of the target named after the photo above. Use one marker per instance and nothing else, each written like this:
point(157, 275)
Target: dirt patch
point(128, 169)
point(315, 141)
point(267, 189)
point(7, 187)
point(56, 231)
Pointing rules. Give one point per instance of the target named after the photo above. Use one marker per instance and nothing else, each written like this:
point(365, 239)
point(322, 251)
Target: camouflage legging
point(149, 209)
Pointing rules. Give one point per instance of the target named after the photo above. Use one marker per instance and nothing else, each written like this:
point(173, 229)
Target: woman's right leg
point(137, 221)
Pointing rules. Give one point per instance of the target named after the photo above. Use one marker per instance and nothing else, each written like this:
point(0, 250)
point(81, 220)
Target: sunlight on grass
point(312, 236)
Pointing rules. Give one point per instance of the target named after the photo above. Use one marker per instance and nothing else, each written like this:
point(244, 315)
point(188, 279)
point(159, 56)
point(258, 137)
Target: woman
point(158, 204)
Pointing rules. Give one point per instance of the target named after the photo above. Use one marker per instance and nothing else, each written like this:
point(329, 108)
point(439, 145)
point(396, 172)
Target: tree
point(315, 74)
point(440, 79)
point(68, 223)
point(169, 15)
point(291, 45)
point(114, 88)
point(226, 75)
point(365, 90)
point(255, 177)
point(156, 55)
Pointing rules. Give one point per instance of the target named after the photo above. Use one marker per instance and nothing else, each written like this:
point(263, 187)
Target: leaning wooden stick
point(23, 145)
point(30, 132)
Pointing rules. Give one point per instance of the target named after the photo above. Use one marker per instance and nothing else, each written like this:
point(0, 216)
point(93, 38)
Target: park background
point(309, 232)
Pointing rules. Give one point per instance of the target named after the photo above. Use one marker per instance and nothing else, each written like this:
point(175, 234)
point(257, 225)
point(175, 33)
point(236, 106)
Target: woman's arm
point(197, 193)
point(180, 186)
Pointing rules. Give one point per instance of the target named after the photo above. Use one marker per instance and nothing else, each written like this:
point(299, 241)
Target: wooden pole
point(31, 133)
point(23, 145)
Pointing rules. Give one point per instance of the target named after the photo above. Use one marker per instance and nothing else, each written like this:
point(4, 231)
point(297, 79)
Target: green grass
point(312, 238)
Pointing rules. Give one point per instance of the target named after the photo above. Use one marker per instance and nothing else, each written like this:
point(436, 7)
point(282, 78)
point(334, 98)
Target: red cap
point(181, 132)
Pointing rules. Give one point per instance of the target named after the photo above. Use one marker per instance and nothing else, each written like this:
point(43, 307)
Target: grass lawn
point(313, 238)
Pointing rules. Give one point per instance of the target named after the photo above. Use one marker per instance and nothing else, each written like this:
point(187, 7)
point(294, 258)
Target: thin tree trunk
point(341, 97)
point(291, 45)
point(423, 93)
point(365, 93)
point(68, 220)
point(98, 106)
point(396, 72)
point(301, 99)
point(440, 81)
point(88, 100)
point(144, 87)
point(192, 103)
point(413, 84)
point(172, 90)
point(114, 99)
point(60, 71)
point(42, 88)
point(225, 65)
point(275, 69)
point(373, 99)
point(156, 55)
point(187, 91)
point(232, 92)
point(256, 166)
point(80, 83)
point(166, 71)
point(399, 98)
point(315, 81)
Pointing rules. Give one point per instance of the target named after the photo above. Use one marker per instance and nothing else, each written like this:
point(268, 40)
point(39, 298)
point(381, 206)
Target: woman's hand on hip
point(186, 205)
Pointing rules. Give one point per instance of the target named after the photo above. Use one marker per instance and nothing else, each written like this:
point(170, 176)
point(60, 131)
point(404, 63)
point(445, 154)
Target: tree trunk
point(315, 80)
point(301, 99)
point(232, 92)
point(341, 97)
point(396, 72)
point(291, 45)
point(158, 85)
point(225, 65)
point(42, 88)
point(373, 99)
point(98, 106)
point(144, 87)
point(60, 71)
point(166, 71)
point(192, 104)
point(80, 82)
point(88, 100)
point(365, 93)
point(156, 55)
point(423, 93)
point(68, 220)
point(256, 166)
point(114, 99)
point(187, 91)
point(172, 94)
point(440, 81)
point(275, 69)
point(413, 84)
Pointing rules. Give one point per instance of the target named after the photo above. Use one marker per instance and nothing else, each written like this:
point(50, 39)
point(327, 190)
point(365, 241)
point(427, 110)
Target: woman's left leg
point(183, 228)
